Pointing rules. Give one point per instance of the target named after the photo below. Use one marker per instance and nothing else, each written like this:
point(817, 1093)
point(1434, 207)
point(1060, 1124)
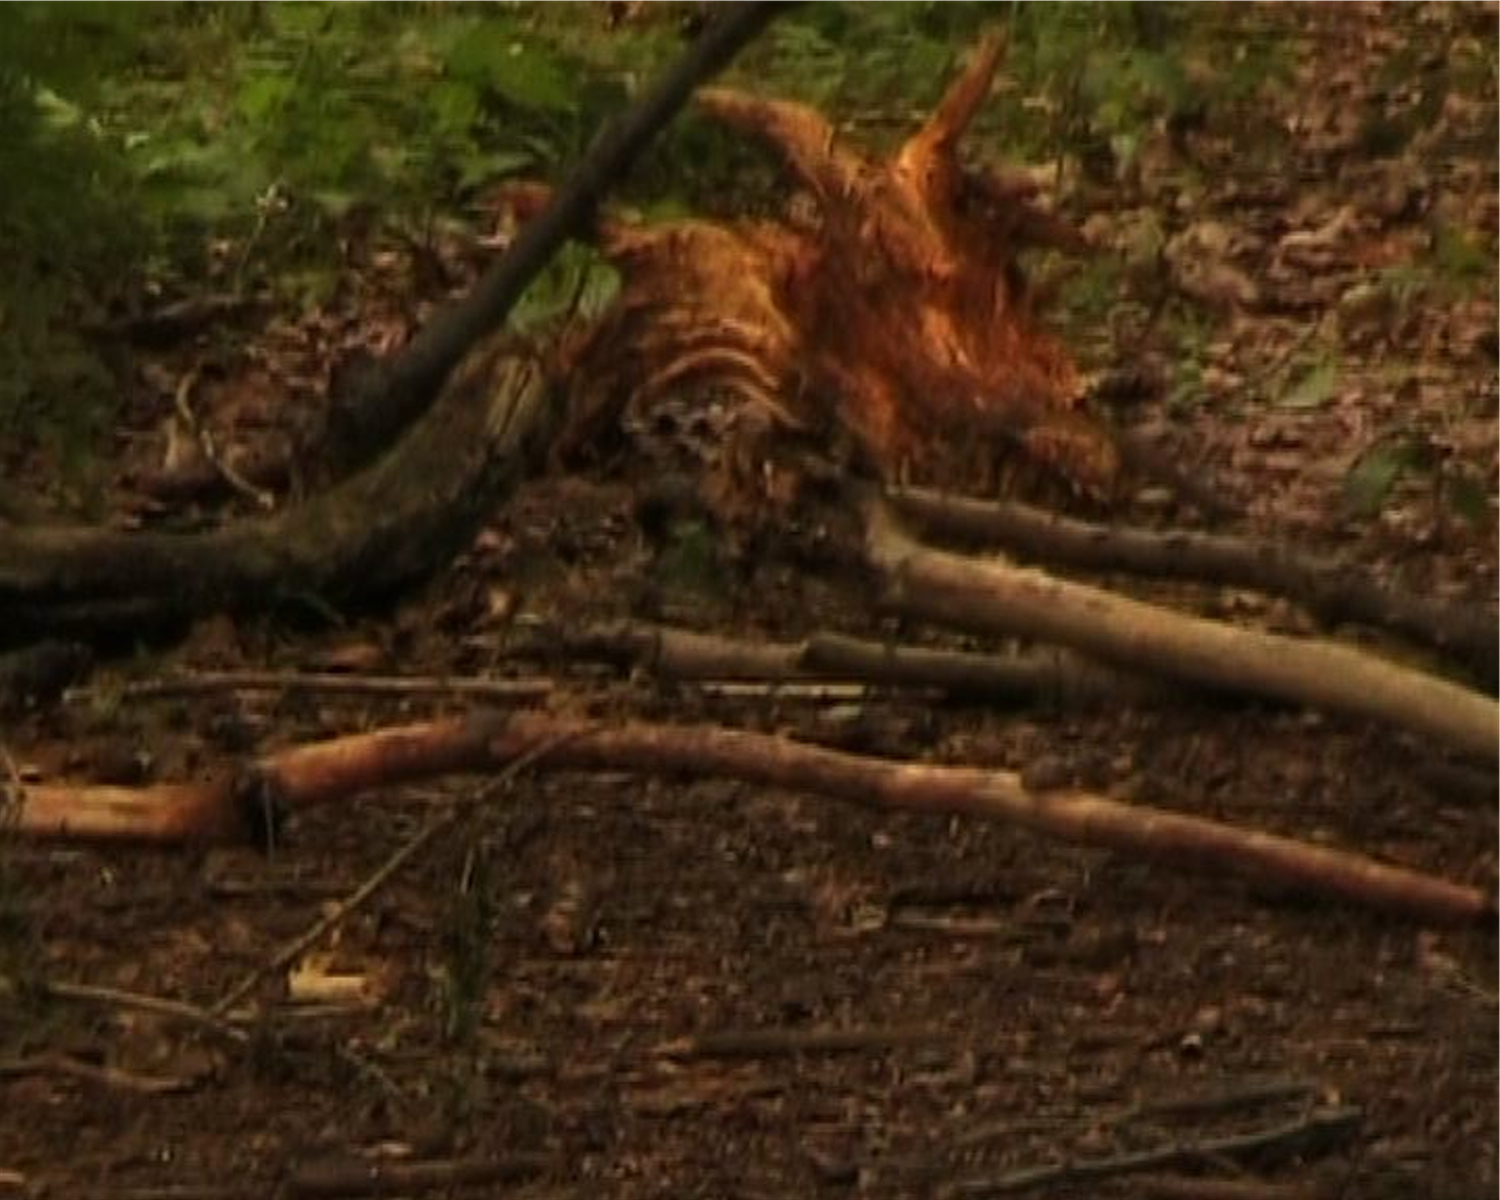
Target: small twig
point(201, 433)
point(114, 1077)
point(806, 693)
point(1196, 1187)
point(1318, 1128)
point(187, 1191)
point(354, 1178)
point(293, 949)
point(1236, 1094)
point(336, 915)
point(323, 682)
point(87, 993)
point(767, 1043)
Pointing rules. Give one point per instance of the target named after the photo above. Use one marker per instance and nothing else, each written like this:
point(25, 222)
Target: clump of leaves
point(1413, 457)
point(366, 108)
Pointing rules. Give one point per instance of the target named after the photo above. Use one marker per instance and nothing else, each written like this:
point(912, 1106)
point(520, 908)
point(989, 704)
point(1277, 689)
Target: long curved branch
point(324, 772)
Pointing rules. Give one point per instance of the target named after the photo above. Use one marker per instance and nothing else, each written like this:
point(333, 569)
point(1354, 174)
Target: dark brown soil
point(1009, 1000)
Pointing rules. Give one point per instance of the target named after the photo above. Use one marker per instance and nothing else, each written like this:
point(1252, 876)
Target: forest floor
point(598, 984)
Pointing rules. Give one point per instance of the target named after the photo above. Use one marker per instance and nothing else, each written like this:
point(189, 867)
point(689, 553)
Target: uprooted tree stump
point(893, 322)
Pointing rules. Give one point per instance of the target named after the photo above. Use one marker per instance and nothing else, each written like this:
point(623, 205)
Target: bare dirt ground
point(605, 985)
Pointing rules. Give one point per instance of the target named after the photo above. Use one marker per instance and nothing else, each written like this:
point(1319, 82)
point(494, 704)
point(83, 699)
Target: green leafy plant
point(1457, 488)
point(1313, 388)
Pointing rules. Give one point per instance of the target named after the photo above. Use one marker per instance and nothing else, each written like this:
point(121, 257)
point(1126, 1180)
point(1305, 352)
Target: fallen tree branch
point(241, 806)
point(1054, 676)
point(1024, 602)
point(495, 691)
point(1046, 676)
point(1332, 590)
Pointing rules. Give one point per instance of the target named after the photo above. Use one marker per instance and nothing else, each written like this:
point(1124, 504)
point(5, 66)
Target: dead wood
point(383, 527)
point(1332, 590)
point(895, 324)
point(1048, 677)
point(995, 597)
point(236, 807)
point(400, 517)
point(437, 687)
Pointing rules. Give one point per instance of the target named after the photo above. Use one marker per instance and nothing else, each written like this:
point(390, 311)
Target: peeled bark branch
point(337, 769)
point(1024, 602)
point(1332, 590)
